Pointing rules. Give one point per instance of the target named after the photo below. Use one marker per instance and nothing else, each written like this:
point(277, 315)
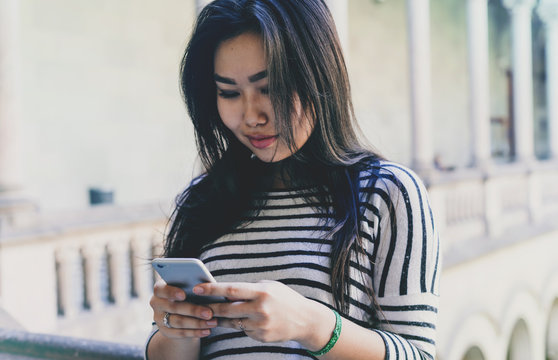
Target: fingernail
point(198, 290)
point(179, 295)
point(211, 322)
point(206, 332)
point(206, 314)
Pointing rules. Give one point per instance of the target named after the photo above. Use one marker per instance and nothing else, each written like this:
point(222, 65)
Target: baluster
point(93, 256)
point(70, 281)
point(141, 267)
point(534, 196)
point(119, 271)
point(493, 204)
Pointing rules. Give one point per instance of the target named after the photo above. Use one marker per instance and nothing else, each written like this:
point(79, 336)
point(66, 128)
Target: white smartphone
point(186, 273)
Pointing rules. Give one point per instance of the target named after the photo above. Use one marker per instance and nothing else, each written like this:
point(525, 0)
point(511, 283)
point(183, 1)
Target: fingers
point(197, 324)
point(177, 321)
point(165, 291)
point(242, 324)
point(232, 310)
point(182, 327)
point(247, 298)
point(163, 305)
point(232, 291)
point(185, 333)
point(185, 320)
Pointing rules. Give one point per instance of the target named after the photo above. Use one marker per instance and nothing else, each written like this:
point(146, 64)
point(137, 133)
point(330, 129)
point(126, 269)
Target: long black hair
point(305, 64)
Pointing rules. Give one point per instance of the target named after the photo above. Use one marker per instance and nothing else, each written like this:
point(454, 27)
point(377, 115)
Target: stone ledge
point(494, 170)
point(16, 344)
point(8, 322)
point(472, 249)
point(89, 219)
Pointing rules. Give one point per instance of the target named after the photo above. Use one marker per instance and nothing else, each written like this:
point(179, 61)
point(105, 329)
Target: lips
point(262, 141)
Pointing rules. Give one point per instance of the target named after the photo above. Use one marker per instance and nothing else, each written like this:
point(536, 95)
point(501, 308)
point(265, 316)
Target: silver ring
point(166, 320)
point(241, 325)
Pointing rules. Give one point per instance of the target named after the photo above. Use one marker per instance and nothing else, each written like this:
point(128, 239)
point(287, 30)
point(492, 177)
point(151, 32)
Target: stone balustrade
point(472, 204)
point(88, 274)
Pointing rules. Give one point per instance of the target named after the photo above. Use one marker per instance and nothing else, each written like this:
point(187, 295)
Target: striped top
point(287, 242)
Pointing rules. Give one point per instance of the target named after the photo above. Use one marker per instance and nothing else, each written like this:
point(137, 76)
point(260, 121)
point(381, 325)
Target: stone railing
point(24, 345)
point(473, 204)
point(87, 274)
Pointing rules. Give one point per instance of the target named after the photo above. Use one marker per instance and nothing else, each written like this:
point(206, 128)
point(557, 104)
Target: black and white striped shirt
point(287, 242)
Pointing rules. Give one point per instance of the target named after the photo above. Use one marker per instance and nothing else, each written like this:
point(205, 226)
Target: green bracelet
point(334, 337)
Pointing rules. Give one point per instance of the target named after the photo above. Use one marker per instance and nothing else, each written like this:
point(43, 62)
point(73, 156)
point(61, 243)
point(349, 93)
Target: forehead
point(242, 55)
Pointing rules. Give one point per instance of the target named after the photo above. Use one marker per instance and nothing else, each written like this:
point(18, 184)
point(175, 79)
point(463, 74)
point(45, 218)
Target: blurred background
point(95, 143)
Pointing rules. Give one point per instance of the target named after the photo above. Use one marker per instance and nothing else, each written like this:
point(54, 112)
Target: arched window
point(552, 333)
point(473, 353)
point(519, 347)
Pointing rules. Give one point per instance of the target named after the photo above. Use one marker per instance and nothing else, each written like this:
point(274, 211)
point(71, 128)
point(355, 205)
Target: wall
point(101, 104)
point(379, 69)
point(450, 87)
point(476, 312)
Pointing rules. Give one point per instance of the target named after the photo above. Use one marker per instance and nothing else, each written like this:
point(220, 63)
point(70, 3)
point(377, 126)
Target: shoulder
point(393, 179)
point(407, 243)
point(198, 179)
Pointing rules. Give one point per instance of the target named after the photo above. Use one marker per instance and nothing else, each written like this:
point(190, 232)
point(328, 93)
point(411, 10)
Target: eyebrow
point(252, 78)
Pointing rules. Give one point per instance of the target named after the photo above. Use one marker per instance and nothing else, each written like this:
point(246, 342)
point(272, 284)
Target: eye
point(228, 94)
point(264, 91)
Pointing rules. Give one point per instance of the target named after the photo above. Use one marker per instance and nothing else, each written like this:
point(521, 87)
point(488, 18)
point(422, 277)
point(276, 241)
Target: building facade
point(463, 91)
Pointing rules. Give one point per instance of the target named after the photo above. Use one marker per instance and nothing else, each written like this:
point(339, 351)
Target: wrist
point(163, 347)
point(320, 325)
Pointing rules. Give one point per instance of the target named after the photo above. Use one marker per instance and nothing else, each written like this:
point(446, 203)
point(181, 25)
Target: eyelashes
point(233, 94)
point(228, 94)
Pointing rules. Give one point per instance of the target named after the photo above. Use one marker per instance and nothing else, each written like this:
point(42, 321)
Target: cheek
point(226, 113)
point(303, 131)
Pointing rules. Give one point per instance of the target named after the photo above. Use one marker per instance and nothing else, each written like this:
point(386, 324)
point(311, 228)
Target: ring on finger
point(166, 320)
point(241, 325)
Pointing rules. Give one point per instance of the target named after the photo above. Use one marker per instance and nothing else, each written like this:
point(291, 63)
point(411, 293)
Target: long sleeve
point(406, 263)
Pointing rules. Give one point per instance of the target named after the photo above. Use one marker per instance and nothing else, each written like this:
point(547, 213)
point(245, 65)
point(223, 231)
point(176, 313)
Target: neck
point(276, 175)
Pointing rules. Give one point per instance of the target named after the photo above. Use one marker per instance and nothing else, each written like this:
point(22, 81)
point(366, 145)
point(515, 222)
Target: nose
point(254, 112)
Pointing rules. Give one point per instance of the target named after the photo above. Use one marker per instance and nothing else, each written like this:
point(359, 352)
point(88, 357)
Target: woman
point(324, 248)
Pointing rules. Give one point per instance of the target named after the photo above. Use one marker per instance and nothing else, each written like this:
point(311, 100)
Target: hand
point(186, 320)
point(267, 311)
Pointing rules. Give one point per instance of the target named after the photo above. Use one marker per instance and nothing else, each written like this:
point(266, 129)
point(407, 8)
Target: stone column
point(418, 24)
point(93, 258)
point(548, 12)
point(120, 280)
point(522, 62)
point(70, 281)
point(10, 161)
point(479, 93)
point(15, 209)
point(340, 11)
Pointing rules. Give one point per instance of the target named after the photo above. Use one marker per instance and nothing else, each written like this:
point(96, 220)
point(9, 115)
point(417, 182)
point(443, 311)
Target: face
point(243, 99)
